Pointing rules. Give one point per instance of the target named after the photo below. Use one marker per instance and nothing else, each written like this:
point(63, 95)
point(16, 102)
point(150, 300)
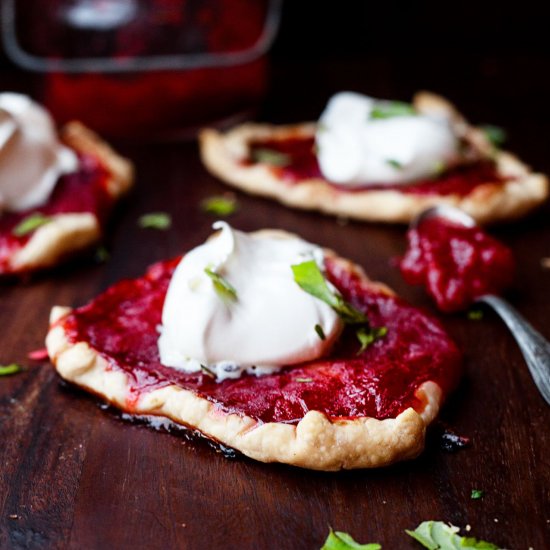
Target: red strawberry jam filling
point(82, 191)
point(121, 325)
point(457, 264)
point(298, 162)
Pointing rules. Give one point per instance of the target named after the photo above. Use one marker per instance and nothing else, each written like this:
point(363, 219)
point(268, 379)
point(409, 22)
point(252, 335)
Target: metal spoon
point(533, 345)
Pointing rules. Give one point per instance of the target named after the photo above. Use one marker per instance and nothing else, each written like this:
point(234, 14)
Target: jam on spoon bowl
point(533, 345)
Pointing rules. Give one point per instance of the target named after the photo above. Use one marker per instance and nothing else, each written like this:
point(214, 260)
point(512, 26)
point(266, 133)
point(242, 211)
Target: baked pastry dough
point(69, 232)
point(519, 190)
point(294, 426)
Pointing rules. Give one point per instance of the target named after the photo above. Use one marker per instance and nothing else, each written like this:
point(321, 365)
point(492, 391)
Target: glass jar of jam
point(153, 69)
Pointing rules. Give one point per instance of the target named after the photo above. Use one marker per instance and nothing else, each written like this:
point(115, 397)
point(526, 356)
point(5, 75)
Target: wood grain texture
point(75, 476)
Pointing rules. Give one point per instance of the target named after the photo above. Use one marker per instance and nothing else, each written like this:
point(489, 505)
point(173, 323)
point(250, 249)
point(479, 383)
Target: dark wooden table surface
point(75, 476)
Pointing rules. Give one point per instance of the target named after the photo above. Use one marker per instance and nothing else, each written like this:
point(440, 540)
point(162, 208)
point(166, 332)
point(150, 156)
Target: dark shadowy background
point(344, 27)
point(493, 55)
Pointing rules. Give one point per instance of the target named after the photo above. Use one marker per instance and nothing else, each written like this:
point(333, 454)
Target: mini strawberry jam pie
point(55, 193)
point(377, 160)
point(267, 344)
point(457, 264)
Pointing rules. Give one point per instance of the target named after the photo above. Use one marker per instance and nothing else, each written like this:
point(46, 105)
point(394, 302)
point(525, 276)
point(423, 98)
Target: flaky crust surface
point(316, 442)
point(71, 232)
point(223, 156)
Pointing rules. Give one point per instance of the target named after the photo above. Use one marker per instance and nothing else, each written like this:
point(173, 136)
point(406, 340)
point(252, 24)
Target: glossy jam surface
point(82, 191)
point(456, 264)
point(121, 325)
point(302, 164)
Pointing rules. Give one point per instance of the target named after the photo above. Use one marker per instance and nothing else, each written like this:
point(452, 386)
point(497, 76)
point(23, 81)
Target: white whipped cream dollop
point(270, 324)
point(357, 147)
point(31, 156)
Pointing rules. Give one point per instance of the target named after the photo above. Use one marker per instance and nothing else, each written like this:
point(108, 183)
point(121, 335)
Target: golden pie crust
point(223, 155)
point(68, 233)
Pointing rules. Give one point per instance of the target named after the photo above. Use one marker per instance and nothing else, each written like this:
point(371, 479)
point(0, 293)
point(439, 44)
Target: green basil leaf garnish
point(309, 278)
point(437, 535)
point(219, 205)
point(390, 109)
point(222, 287)
point(155, 220)
point(13, 368)
point(30, 223)
point(270, 156)
point(338, 540)
point(367, 335)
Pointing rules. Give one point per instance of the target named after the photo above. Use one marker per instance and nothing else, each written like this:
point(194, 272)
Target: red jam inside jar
point(150, 70)
point(299, 163)
point(121, 325)
point(456, 264)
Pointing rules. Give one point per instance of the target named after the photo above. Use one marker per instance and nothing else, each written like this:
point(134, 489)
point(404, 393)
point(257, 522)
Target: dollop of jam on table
point(456, 264)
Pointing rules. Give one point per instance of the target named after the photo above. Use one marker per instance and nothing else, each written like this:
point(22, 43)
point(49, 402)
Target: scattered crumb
point(468, 527)
point(13, 516)
point(383, 502)
point(450, 441)
point(545, 262)
point(184, 524)
point(496, 520)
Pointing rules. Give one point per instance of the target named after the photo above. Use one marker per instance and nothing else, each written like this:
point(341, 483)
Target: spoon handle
point(533, 345)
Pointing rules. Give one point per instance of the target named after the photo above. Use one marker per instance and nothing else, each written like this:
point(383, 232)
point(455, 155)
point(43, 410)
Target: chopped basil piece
point(338, 540)
point(322, 127)
point(394, 164)
point(436, 535)
point(438, 168)
point(367, 336)
point(30, 223)
point(304, 380)
point(101, 255)
point(476, 494)
point(320, 332)
point(222, 287)
point(475, 314)
point(495, 134)
point(270, 156)
point(155, 220)
point(224, 205)
point(309, 278)
point(6, 370)
point(207, 371)
point(391, 109)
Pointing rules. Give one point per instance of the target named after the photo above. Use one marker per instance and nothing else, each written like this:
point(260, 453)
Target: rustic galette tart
point(56, 192)
point(377, 160)
point(268, 344)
